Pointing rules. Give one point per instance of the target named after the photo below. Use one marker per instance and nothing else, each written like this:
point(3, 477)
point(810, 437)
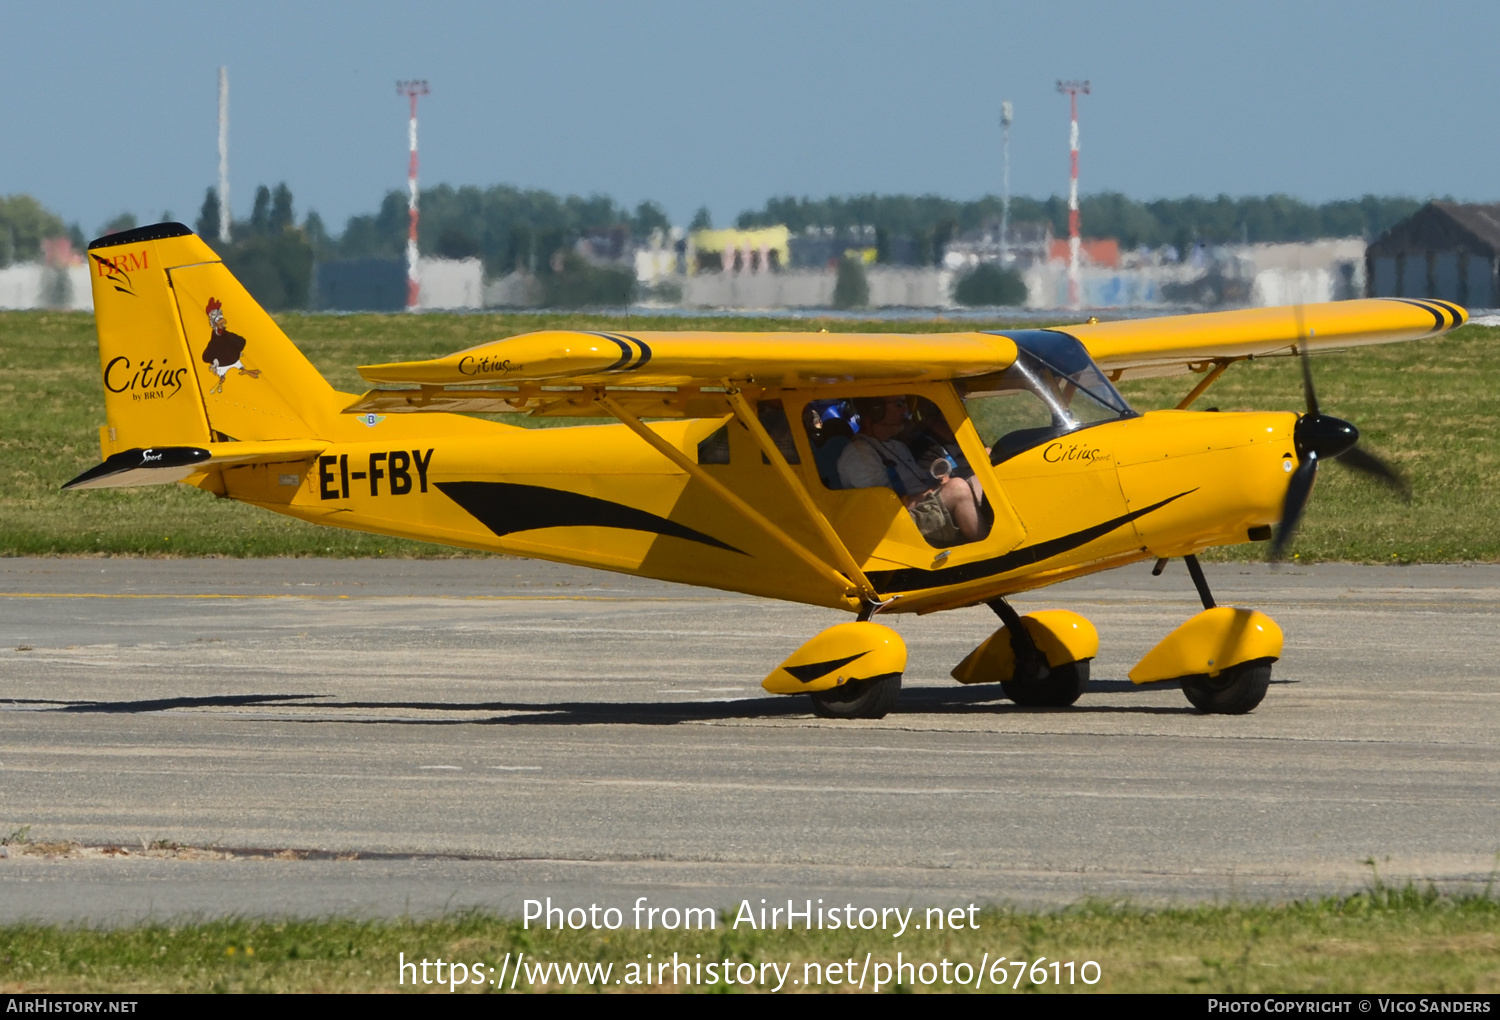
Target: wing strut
point(1208, 380)
point(852, 589)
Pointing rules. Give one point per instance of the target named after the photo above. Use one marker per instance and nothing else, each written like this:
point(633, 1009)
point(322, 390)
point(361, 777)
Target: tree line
point(1181, 222)
point(538, 232)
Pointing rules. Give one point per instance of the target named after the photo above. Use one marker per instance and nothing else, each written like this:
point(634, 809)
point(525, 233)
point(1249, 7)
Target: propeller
point(1318, 437)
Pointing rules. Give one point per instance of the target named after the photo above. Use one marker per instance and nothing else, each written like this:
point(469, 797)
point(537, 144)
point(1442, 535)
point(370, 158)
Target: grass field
point(1384, 940)
point(1428, 407)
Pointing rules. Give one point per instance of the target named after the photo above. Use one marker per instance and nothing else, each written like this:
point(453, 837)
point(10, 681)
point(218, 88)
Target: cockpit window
point(1053, 388)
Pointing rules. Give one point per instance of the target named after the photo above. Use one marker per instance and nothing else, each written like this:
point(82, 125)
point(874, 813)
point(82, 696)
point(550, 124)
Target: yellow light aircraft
point(876, 474)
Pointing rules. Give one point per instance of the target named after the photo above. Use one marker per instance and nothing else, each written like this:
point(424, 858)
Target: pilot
point(945, 510)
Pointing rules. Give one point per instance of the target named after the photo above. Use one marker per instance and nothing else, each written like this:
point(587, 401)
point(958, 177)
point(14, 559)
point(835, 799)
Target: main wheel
point(1235, 691)
point(1058, 689)
point(858, 699)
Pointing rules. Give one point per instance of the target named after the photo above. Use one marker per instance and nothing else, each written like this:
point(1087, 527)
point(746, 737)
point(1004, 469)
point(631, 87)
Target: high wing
point(547, 372)
point(1135, 348)
point(680, 374)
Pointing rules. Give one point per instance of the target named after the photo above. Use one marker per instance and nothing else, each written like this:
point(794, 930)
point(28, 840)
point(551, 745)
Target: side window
point(1011, 419)
point(905, 444)
point(714, 449)
point(773, 419)
point(1032, 402)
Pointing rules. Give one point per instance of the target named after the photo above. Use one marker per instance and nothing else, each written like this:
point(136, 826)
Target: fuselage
point(1160, 484)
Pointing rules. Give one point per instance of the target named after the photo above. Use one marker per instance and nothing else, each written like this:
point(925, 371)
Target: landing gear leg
point(1035, 683)
point(1199, 581)
point(1236, 690)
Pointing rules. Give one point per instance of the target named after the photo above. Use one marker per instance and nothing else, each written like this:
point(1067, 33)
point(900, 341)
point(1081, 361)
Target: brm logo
point(117, 268)
point(145, 381)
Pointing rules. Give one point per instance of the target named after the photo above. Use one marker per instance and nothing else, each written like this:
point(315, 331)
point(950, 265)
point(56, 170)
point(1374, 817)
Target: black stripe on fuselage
point(506, 508)
point(915, 579)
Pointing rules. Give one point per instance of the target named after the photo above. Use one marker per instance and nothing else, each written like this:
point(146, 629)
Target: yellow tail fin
point(188, 357)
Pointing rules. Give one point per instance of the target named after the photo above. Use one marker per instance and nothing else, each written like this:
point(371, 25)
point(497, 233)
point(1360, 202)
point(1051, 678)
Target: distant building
point(822, 247)
point(1094, 251)
point(738, 251)
point(1027, 244)
point(1443, 250)
point(60, 280)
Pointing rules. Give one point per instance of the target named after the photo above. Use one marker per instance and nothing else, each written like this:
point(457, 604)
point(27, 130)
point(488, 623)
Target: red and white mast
point(1072, 88)
point(412, 89)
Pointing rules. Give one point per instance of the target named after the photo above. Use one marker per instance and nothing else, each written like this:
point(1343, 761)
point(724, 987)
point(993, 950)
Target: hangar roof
point(1443, 226)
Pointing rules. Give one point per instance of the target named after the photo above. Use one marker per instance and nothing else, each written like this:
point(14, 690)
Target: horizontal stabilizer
point(158, 465)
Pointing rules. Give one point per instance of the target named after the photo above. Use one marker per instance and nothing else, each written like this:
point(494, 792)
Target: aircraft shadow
point(163, 704)
point(980, 698)
point(915, 701)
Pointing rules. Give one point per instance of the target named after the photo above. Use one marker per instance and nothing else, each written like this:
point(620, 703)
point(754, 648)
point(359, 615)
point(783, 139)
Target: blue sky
point(111, 108)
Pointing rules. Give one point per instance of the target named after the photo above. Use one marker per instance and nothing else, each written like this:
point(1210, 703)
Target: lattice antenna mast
point(223, 155)
point(412, 89)
point(1007, 114)
point(1072, 88)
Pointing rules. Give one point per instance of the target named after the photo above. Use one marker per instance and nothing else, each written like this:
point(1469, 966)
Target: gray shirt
point(863, 466)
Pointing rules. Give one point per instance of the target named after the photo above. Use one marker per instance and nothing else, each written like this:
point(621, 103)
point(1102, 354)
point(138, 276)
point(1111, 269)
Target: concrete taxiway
point(387, 737)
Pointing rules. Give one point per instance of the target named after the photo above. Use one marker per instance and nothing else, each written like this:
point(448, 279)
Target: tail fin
point(188, 357)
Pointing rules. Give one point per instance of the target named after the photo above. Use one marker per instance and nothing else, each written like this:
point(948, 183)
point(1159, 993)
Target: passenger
point(945, 511)
point(829, 433)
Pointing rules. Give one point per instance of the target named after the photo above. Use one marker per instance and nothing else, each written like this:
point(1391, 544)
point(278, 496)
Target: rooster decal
point(224, 348)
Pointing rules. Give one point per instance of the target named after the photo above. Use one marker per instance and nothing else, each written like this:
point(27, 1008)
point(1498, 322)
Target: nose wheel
point(1248, 640)
point(1233, 692)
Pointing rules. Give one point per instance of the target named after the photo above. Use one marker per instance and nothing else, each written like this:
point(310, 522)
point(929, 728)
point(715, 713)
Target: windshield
point(1053, 388)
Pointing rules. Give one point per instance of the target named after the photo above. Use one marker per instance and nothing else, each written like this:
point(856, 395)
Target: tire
point(1235, 691)
point(858, 699)
point(1058, 689)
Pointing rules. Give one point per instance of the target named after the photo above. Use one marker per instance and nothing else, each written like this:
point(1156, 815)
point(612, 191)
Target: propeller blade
point(1367, 463)
point(1297, 491)
point(1315, 437)
point(1308, 392)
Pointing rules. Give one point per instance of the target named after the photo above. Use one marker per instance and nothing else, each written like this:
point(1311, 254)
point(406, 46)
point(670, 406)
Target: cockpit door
point(898, 473)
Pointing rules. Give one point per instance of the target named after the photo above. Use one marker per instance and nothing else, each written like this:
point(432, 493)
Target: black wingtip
point(151, 461)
